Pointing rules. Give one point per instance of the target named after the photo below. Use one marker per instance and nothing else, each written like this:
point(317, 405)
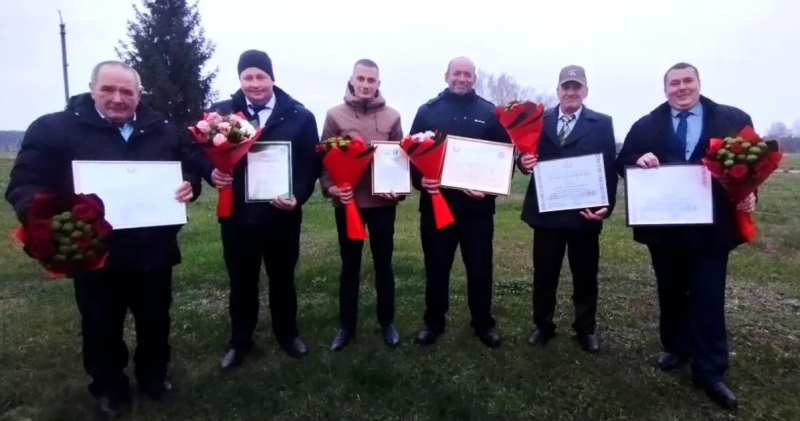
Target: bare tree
point(505, 88)
point(778, 130)
point(796, 128)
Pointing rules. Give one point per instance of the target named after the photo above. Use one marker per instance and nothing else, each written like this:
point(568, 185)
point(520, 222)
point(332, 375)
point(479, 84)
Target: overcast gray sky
point(746, 50)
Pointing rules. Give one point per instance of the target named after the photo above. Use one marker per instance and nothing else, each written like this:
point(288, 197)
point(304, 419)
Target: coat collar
point(284, 103)
point(585, 124)
point(362, 105)
point(662, 117)
point(83, 108)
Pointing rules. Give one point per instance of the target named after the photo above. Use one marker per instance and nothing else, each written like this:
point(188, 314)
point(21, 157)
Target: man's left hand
point(185, 193)
point(748, 205)
point(475, 195)
point(595, 216)
point(285, 204)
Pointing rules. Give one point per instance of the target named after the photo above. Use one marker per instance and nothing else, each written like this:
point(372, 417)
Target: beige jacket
point(371, 120)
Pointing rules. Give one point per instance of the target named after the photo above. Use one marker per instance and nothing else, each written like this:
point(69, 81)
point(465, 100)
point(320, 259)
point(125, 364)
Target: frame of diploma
point(391, 169)
point(669, 195)
point(135, 194)
point(479, 165)
point(571, 183)
point(269, 171)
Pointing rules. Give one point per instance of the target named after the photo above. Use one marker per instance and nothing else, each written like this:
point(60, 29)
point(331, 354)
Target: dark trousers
point(691, 294)
point(103, 299)
point(380, 223)
point(244, 248)
point(583, 251)
point(474, 233)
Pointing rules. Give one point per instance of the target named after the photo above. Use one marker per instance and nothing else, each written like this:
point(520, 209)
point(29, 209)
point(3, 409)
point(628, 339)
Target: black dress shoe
point(541, 337)
point(294, 347)
point(156, 390)
point(588, 343)
point(668, 361)
point(718, 393)
point(390, 336)
point(232, 358)
point(489, 337)
point(342, 338)
point(428, 336)
point(109, 408)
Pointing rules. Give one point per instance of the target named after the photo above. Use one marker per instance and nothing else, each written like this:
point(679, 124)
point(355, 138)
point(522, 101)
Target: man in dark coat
point(690, 262)
point(570, 130)
point(111, 124)
point(268, 232)
point(458, 111)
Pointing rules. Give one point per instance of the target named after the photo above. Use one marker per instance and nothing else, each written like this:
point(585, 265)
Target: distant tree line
point(10, 140)
point(789, 139)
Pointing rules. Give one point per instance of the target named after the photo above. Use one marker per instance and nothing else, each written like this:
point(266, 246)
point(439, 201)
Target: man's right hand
point(221, 179)
point(648, 160)
point(527, 162)
point(430, 185)
point(343, 195)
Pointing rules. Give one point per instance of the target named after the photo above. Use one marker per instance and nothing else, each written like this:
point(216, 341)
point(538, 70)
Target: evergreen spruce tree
point(168, 48)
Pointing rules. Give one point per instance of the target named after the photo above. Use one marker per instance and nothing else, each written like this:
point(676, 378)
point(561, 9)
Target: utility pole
point(64, 57)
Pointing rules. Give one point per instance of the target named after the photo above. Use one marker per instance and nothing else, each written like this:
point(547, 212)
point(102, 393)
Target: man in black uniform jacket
point(458, 111)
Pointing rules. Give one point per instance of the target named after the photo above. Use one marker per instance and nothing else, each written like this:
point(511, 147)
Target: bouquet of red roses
point(426, 151)
point(741, 164)
point(346, 159)
point(523, 121)
point(65, 234)
point(225, 139)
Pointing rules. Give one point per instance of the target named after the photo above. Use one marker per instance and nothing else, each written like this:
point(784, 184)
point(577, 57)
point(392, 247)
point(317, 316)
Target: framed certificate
point(571, 183)
point(669, 195)
point(269, 171)
point(391, 169)
point(135, 194)
point(480, 165)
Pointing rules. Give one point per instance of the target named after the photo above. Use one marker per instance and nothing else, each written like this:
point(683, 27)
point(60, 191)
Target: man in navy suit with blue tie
point(570, 130)
point(690, 262)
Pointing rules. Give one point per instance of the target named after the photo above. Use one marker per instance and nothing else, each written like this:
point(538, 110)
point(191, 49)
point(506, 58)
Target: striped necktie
point(565, 129)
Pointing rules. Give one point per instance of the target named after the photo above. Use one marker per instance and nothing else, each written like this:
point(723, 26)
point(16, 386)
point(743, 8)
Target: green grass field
point(791, 162)
point(41, 377)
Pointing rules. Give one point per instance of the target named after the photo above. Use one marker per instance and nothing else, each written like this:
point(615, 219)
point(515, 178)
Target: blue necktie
point(681, 131)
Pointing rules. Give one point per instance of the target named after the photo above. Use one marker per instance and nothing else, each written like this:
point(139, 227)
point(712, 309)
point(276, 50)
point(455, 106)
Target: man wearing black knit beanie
point(267, 231)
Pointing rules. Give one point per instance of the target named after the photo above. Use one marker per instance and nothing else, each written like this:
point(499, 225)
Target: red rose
point(84, 212)
point(715, 167)
point(41, 250)
point(737, 148)
point(42, 206)
point(39, 238)
point(84, 241)
point(738, 171)
point(102, 229)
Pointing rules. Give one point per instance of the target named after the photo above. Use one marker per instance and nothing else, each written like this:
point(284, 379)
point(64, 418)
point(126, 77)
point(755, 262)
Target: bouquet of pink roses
point(225, 139)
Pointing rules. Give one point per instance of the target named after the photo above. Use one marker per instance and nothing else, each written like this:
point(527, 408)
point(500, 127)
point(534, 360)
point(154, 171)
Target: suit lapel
point(274, 118)
point(551, 124)
point(585, 124)
point(667, 134)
